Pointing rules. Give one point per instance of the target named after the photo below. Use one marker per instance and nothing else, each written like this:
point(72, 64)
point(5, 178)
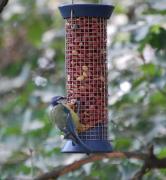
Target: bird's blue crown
point(55, 100)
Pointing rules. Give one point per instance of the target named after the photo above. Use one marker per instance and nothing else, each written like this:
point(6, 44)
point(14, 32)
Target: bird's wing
point(75, 117)
point(58, 117)
point(76, 120)
point(73, 133)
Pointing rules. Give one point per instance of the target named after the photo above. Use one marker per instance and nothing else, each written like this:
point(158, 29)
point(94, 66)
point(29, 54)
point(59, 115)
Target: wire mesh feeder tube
point(86, 70)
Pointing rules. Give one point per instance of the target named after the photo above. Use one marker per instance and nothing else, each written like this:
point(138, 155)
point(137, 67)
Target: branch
point(3, 3)
point(151, 163)
point(92, 158)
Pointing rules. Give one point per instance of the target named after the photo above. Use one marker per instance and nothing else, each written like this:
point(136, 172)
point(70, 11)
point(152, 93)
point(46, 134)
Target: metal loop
point(100, 2)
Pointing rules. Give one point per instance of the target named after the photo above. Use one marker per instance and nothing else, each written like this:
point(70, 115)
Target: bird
point(67, 120)
point(3, 3)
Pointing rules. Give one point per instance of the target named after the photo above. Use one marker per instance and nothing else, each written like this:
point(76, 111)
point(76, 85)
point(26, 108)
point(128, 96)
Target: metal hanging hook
point(71, 13)
point(73, 26)
point(100, 2)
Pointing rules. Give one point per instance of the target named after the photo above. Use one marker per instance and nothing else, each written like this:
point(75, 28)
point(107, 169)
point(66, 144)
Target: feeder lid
point(86, 10)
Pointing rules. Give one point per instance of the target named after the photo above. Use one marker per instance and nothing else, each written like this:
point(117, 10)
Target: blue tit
point(59, 111)
point(57, 115)
point(66, 120)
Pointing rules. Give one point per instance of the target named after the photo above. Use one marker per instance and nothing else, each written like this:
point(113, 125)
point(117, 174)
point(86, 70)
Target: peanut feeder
point(86, 71)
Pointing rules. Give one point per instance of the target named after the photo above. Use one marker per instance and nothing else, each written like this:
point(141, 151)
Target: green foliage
point(155, 11)
point(155, 37)
point(13, 69)
point(119, 9)
point(150, 70)
point(162, 153)
point(109, 171)
point(122, 143)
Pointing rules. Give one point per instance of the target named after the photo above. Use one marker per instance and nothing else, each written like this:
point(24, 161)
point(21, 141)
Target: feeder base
point(96, 146)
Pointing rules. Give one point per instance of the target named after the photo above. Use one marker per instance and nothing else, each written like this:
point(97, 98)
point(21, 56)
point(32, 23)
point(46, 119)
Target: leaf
point(15, 162)
point(155, 11)
point(35, 31)
point(108, 170)
point(155, 37)
point(14, 130)
point(150, 70)
point(122, 143)
point(143, 126)
point(137, 82)
point(162, 153)
point(13, 69)
point(119, 9)
point(158, 99)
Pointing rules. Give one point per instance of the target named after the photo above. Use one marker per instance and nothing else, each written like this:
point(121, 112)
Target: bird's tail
point(72, 131)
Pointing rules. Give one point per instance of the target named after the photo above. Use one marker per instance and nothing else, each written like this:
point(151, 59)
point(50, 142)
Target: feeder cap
point(86, 10)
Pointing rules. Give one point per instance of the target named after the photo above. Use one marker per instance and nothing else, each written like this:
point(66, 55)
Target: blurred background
point(32, 71)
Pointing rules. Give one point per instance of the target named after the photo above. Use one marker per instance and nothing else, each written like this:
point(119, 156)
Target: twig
point(92, 158)
point(3, 3)
point(150, 162)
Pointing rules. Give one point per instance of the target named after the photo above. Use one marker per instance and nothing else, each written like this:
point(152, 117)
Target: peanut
point(85, 74)
point(68, 77)
point(85, 68)
point(80, 78)
point(74, 52)
point(102, 78)
point(82, 88)
point(81, 44)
